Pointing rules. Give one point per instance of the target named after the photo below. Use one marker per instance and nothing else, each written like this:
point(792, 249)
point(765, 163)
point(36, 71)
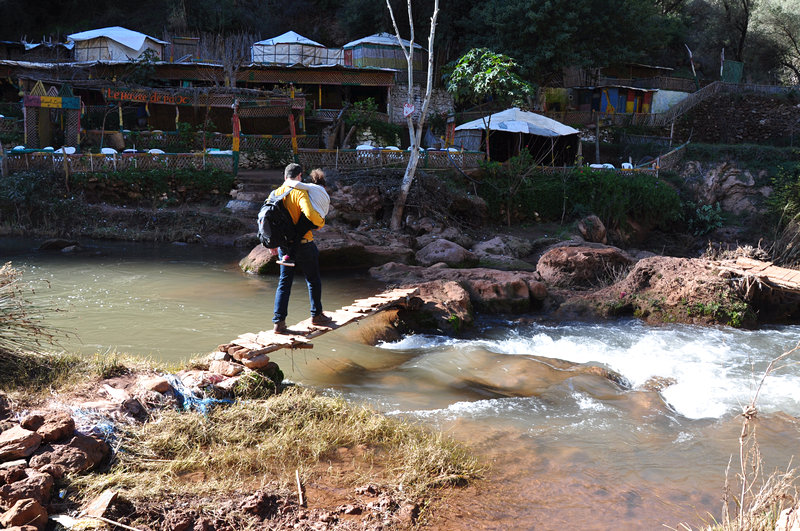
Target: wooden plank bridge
point(251, 349)
point(779, 278)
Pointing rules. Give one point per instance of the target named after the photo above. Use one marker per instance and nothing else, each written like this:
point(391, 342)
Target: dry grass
point(22, 326)
point(264, 441)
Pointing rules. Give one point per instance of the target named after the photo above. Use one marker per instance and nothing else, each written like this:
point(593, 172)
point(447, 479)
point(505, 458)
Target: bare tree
point(231, 51)
point(415, 134)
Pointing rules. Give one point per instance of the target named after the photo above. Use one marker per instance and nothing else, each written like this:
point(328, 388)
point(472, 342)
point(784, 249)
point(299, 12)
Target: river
point(567, 449)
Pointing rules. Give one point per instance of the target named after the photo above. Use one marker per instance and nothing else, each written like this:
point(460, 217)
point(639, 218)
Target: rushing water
point(568, 448)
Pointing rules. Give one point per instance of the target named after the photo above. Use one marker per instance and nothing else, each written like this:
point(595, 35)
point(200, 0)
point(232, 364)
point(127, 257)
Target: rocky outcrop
point(582, 266)
point(735, 189)
point(666, 289)
point(489, 290)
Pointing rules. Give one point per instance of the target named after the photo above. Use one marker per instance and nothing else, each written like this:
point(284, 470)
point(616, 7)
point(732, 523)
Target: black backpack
point(275, 225)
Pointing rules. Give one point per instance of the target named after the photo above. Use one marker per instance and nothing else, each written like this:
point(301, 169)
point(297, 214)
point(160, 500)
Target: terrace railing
point(93, 162)
point(384, 158)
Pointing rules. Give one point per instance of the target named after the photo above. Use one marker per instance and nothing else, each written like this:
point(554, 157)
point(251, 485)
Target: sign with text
point(408, 110)
point(145, 96)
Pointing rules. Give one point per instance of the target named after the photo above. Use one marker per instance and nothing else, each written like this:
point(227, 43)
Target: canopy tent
point(549, 141)
point(113, 44)
point(291, 48)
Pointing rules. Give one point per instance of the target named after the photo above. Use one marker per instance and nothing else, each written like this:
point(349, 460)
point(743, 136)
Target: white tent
point(546, 139)
point(515, 120)
point(382, 50)
point(292, 48)
point(113, 44)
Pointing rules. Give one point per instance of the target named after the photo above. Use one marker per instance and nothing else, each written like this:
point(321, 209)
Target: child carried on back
point(320, 201)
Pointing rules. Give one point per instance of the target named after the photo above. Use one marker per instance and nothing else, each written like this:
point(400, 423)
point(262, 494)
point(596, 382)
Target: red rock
point(80, 454)
point(25, 512)
point(581, 266)
point(32, 422)
point(257, 362)
point(225, 368)
point(56, 427)
point(159, 385)
point(445, 251)
point(98, 506)
point(36, 485)
point(15, 473)
point(18, 442)
point(57, 471)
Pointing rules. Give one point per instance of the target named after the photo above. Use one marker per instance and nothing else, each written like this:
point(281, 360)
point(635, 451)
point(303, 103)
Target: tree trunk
point(405, 188)
point(415, 135)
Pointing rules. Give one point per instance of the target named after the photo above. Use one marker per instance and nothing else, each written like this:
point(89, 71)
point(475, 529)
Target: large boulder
point(489, 290)
point(582, 266)
point(18, 442)
point(447, 303)
point(504, 252)
point(447, 252)
point(258, 260)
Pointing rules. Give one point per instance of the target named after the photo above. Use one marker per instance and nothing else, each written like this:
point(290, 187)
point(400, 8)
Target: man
point(306, 258)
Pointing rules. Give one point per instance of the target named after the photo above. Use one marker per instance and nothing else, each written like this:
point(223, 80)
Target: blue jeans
point(307, 259)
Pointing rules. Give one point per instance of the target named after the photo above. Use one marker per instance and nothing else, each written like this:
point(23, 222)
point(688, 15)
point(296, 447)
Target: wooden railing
point(93, 162)
point(383, 158)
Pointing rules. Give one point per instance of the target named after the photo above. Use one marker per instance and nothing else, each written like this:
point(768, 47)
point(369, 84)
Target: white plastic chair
point(108, 151)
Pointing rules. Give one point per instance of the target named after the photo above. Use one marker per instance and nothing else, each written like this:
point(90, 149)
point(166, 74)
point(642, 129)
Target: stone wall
point(441, 102)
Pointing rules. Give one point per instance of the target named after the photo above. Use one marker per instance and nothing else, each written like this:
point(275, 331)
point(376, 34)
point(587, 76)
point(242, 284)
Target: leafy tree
point(782, 25)
point(481, 74)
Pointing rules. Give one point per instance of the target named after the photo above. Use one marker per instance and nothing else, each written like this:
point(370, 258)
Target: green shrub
point(515, 191)
point(36, 199)
point(703, 219)
point(785, 199)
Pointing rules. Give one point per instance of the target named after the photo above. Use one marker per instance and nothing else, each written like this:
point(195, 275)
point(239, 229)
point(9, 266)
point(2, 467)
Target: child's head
point(317, 177)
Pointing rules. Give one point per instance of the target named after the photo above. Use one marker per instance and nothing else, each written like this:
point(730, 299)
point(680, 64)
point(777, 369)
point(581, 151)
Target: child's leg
point(302, 226)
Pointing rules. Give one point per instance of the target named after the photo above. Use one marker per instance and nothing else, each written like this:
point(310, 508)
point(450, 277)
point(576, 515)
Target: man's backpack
point(275, 225)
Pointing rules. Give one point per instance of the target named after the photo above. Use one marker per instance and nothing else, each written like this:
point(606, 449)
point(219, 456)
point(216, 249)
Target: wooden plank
point(298, 335)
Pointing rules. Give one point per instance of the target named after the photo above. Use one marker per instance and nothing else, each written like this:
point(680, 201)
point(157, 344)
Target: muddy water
point(567, 447)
